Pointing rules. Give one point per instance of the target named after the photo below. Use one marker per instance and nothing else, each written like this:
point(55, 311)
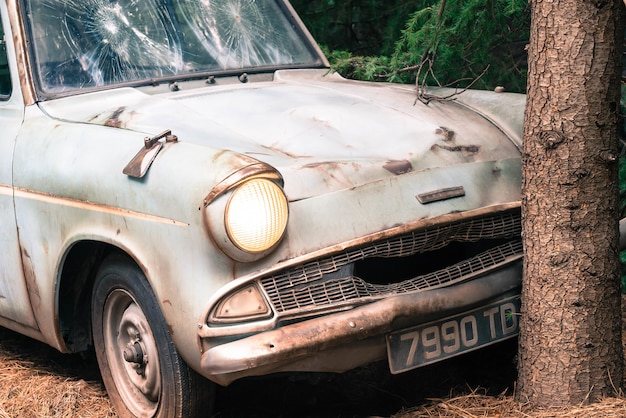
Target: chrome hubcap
point(132, 354)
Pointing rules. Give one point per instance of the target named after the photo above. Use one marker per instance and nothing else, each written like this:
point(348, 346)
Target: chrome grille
point(309, 286)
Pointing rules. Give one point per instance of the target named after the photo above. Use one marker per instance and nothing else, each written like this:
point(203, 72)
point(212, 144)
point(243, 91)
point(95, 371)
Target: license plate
point(449, 337)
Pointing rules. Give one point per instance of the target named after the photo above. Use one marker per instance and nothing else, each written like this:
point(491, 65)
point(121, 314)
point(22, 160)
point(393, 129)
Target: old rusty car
point(187, 189)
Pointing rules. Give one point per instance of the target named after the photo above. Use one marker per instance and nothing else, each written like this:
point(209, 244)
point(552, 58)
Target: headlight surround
point(249, 220)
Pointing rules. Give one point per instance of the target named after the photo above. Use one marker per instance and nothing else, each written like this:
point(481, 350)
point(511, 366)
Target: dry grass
point(31, 384)
point(28, 391)
point(477, 405)
point(39, 383)
point(36, 381)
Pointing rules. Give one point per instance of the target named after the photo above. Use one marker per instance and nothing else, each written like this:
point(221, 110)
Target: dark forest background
point(480, 41)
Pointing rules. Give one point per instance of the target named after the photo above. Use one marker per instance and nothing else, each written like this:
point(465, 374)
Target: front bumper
point(345, 340)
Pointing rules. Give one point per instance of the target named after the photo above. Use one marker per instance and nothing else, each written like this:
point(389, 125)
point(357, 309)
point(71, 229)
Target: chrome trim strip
point(440, 194)
point(83, 204)
point(21, 52)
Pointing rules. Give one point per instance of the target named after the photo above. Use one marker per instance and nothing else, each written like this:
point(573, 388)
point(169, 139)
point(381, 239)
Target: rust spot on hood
point(398, 167)
point(286, 153)
point(447, 134)
point(472, 149)
point(449, 138)
point(322, 164)
point(113, 121)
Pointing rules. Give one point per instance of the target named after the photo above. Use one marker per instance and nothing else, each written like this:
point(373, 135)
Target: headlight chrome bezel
point(234, 216)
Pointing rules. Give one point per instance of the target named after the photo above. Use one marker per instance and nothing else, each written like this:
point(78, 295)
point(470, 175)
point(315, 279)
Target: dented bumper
point(344, 340)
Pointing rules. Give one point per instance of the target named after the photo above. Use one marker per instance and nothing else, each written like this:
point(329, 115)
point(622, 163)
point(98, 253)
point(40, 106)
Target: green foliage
point(460, 39)
point(364, 68)
point(464, 39)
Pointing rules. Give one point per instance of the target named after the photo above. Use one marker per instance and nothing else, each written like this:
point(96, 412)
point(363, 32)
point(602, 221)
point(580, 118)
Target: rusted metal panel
point(360, 164)
point(505, 110)
point(14, 297)
point(331, 149)
point(129, 214)
point(280, 349)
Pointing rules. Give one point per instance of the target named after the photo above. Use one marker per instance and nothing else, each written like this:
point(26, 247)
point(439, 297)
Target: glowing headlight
point(256, 215)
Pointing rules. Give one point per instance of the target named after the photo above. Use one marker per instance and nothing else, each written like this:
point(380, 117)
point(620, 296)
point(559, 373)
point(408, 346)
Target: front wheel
point(143, 373)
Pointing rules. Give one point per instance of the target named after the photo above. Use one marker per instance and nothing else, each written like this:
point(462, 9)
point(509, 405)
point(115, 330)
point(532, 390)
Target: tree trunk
point(570, 339)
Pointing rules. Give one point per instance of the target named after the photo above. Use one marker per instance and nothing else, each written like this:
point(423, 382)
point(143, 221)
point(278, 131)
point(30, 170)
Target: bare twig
point(422, 89)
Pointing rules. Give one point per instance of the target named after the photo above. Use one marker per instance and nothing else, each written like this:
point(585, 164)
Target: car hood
point(322, 132)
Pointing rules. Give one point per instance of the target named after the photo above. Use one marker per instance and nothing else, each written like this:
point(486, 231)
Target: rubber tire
point(122, 295)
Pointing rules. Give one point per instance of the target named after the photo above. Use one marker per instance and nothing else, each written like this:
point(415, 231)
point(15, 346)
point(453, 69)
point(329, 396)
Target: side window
point(5, 77)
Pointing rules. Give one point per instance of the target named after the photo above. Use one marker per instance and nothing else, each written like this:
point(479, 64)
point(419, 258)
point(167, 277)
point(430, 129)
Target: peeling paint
point(398, 167)
point(448, 134)
point(472, 149)
point(286, 153)
point(113, 121)
point(31, 282)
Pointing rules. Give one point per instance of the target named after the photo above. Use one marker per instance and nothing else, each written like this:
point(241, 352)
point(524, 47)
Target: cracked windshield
point(91, 43)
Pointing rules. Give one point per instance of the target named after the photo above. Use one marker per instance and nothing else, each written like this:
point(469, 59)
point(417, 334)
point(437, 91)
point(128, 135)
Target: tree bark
point(570, 338)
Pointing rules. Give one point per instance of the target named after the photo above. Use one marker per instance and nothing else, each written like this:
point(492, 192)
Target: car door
point(14, 300)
